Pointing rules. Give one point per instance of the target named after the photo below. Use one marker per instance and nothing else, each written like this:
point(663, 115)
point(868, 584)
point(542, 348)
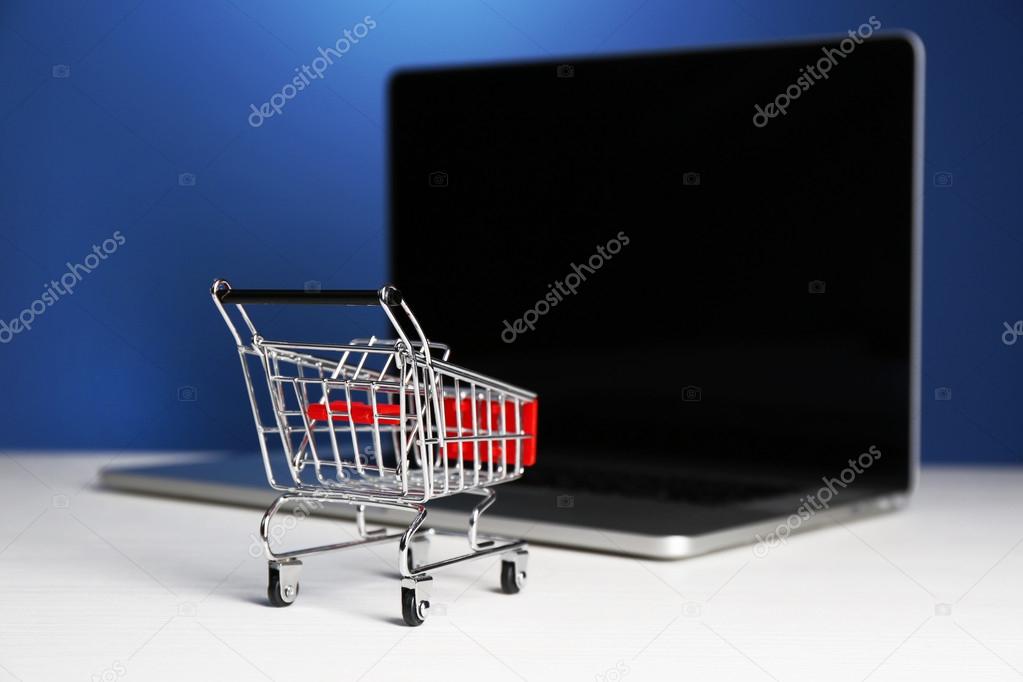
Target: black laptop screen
point(691, 278)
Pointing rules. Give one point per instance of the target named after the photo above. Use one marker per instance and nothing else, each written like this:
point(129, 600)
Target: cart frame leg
point(478, 548)
point(415, 579)
point(489, 497)
point(365, 537)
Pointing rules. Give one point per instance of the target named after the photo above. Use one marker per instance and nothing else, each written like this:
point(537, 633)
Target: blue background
point(157, 89)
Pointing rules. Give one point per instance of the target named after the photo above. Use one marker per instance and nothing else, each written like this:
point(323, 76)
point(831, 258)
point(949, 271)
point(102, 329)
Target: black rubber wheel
point(273, 590)
point(510, 583)
point(409, 608)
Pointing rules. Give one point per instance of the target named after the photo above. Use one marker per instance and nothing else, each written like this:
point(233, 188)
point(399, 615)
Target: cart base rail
point(284, 568)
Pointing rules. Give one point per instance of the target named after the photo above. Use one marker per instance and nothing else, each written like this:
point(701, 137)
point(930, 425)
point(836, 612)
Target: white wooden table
point(107, 586)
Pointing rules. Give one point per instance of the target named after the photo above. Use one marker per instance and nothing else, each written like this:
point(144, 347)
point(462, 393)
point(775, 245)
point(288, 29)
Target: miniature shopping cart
point(379, 423)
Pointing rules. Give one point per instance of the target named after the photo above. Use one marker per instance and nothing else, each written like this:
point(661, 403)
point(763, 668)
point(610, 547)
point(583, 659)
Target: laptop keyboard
point(693, 490)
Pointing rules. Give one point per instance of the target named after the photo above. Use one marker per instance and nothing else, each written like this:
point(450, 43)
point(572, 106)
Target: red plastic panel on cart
point(361, 412)
point(389, 414)
point(528, 426)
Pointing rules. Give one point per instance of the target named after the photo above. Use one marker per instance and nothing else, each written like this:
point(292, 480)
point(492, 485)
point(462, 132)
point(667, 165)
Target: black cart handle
point(387, 295)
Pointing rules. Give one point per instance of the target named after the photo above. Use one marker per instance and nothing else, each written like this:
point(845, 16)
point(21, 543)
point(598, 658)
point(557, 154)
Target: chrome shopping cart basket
point(379, 423)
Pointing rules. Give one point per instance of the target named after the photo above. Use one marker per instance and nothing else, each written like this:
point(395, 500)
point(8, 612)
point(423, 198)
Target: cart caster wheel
point(282, 586)
point(513, 572)
point(412, 613)
point(414, 602)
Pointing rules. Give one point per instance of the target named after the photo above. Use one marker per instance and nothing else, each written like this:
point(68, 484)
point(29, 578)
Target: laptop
point(705, 262)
